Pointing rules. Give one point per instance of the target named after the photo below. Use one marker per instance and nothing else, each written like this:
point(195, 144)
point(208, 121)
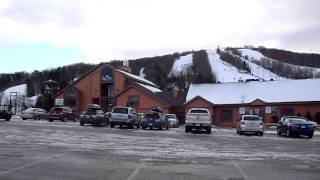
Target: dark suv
point(4, 114)
point(93, 115)
point(62, 113)
point(154, 120)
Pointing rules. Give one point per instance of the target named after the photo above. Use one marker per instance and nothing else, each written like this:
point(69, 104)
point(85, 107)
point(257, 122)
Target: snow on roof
point(267, 91)
point(181, 65)
point(251, 54)
point(150, 88)
point(138, 78)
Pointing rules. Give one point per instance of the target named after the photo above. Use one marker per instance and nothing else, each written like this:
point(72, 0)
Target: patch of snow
point(269, 91)
point(150, 88)
point(181, 66)
point(138, 78)
point(141, 73)
point(224, 71)
point(251, 54)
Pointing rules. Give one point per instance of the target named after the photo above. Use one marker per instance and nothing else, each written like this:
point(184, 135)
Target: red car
point(62, 113)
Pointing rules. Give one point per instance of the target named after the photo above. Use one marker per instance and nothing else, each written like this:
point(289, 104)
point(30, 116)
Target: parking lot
point(65, 150)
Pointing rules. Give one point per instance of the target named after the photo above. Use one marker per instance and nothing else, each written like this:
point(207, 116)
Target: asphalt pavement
point(32, 150)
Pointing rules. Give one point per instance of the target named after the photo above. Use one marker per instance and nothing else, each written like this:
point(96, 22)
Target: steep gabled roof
point(136, 78)
point(101, 65)
point(284, 91)
point(162, 96)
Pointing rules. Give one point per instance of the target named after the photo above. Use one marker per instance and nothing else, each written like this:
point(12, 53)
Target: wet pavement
point(65, 150)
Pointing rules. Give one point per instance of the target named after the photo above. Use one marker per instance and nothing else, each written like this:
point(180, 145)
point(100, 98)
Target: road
point(31, 150)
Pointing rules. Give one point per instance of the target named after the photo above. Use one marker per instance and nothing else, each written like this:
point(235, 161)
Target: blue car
point(295, 126)
point(154, 120)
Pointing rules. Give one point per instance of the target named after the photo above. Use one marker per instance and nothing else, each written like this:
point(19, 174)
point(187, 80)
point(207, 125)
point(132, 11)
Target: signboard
point(107, 75)
point(59, 102)
point(242, 110)
point(268, 110)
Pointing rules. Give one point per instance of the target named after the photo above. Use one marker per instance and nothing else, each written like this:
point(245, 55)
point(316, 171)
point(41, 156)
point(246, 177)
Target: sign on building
point(107, 75)
point(59, 102)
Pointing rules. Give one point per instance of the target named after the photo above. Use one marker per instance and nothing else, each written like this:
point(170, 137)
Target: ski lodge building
point(109, 87)
point(270, 99)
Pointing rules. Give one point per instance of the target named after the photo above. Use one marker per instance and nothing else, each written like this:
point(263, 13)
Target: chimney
point(175, 92)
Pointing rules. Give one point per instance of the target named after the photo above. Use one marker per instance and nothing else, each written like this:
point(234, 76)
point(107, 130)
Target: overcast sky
point(40, 34)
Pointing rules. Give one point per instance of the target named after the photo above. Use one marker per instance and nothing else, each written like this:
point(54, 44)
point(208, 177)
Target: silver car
point(34, 113)
point(172, 118)
point(124, 116)
point(251, 124)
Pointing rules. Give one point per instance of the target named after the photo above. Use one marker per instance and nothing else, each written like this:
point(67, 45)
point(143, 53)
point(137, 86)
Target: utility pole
point(13, 94)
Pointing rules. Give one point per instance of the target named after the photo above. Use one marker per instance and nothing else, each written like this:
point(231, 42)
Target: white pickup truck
point(198, 118)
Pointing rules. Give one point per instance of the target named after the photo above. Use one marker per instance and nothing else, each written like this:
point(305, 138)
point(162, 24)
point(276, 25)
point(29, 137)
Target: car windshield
point(298, 121)
point(120, 110)
point(152, 115)
point(91, 111)
point(171, 116)
point(251, 118)
point(199, 111)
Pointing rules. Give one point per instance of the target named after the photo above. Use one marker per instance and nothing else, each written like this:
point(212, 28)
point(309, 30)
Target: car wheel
point(143, 127)
point(240, 132)
point(167, 127)
point(64, 119)
point(310, 136)
point(278, 132)
point(260, 133)
point(8, 119)
point(288, 133)
point(81, 124)
point(111, 125)
point(138, 126)
point(208, 130)
point(160, 128)
point(24, 118)
point(186, 129)
point(120, 126)
point(75, 119)
point(151, 127)
point(50, 120)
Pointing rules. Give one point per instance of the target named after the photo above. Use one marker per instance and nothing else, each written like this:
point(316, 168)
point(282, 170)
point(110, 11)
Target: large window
point(133, 101)
point(226, 115)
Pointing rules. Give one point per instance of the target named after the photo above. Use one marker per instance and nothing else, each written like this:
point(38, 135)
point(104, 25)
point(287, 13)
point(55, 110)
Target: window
point(133, 101)
point(120, 110)
point(287, 112)
point(226, 115)
point(199, 111)
point(70, 100)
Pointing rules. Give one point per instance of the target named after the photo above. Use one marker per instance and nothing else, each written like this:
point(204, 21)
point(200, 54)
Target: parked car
point(4, 114)
point(198, 118)
point(173, 121)
point(124, 116)
point(250, 124)
point(93, 115)
point(295, 126)
point(62, 113)
point(34, 113)
point(155, 120)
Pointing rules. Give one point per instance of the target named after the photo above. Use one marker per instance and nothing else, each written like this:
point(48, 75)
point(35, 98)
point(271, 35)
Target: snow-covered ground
point(224, 71)
point(18, 95)
point(256, 55)
point(223, 143)
point(181, 66)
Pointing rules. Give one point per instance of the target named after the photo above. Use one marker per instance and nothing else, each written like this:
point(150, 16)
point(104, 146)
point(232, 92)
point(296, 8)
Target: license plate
point(303, 126)
point(150, 124)
point(197, 124)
